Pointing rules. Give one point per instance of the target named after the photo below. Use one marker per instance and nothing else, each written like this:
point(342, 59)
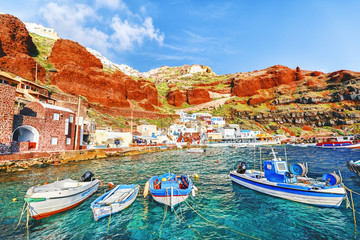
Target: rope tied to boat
point(352, 205)
point(243, 234)
point(183, 220)
point(109, 220)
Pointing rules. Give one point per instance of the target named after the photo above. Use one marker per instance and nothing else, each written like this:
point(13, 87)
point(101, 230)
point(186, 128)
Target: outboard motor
point(242, 168)
point(87, 177)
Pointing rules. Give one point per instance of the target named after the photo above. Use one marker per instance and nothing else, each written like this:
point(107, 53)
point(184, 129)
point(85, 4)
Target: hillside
point(277, 99)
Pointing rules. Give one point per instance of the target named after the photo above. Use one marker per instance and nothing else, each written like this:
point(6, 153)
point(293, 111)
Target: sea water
point(222, 203)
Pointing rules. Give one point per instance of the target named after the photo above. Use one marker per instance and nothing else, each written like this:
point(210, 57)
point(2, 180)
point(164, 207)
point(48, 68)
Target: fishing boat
point(276, 180)
point(195, 150)
point(49, 199)
point(114, 201)
point(171, 189)
point(354, 166)
point(338, 142)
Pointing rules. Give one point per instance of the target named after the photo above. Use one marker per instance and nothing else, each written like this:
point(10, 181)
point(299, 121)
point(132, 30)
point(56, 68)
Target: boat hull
point(324, 198)
point(176, 199)
point(339, 145)
point(54, 205)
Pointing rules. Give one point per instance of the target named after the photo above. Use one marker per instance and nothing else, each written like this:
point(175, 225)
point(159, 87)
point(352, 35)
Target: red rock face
point(197, 96)
point(72, 53)
point(271, 77)
point(176, 98)
point(80, 73)
point(193, 97)
point(14, 37)
point(16, 46)
point(342, 75)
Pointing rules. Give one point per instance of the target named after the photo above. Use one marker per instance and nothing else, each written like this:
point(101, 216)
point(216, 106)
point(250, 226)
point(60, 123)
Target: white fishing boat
point(276, 180)
point(171, 189)
point(114, 201)
point(52, 198)
point(195, 150)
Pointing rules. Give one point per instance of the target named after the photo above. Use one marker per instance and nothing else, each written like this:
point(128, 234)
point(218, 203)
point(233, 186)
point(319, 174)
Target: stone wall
point(7, 106)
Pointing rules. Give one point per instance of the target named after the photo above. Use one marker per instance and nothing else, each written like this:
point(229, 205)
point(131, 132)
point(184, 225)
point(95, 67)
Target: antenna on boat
point(260, 162)
point(254, 158)
point(286, 157)
point(274, 154)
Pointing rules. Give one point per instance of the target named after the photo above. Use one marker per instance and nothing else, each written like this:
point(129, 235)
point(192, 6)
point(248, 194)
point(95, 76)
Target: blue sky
point(228, 36)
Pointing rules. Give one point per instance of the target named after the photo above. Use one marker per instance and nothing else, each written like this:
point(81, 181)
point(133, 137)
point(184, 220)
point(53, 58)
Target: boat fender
point(146, 189)
point(111, 185)
point(331, 179)
point(298, 169)
point(196, 176)
point(87, 177)
point(242, 168)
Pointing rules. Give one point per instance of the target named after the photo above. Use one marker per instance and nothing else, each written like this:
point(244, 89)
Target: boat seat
point(168, 184)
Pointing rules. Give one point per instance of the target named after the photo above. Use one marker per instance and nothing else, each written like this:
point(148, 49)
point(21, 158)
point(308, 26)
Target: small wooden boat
point(338, 142)
point(354, 166)
point(276, 180)
point(52, 198)
point(171, 189)
point(114, 201)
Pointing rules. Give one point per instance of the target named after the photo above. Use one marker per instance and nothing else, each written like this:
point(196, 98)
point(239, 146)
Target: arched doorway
point(26, 133)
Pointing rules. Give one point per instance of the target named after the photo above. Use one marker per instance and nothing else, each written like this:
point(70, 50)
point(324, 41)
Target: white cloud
point(128, 34)
point(112, 4)
point(97, 29)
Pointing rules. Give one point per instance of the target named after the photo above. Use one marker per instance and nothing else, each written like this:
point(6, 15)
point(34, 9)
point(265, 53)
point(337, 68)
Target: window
point(68, 141)
point(71, 119)
point(281, 166)
point(56, 116)
point(54, 141)
point(66, 127)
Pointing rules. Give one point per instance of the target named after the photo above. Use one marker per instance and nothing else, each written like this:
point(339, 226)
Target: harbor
point(221, 209)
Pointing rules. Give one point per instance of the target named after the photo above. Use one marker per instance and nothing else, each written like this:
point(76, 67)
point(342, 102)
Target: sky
point(228, 36)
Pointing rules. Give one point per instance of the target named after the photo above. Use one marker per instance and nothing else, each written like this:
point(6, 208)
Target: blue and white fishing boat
point(170, 189)
point(276, 180)
point(111, 202)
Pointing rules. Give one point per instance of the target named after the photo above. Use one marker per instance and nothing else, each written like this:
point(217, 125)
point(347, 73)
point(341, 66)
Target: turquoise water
point(218, 200)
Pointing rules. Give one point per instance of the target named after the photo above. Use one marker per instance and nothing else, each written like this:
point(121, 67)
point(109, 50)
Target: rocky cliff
point(17, 49)
point(277, 99)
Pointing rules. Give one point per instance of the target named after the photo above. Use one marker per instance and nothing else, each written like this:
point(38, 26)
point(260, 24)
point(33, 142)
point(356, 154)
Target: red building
point(43, 127)
point(7, 104)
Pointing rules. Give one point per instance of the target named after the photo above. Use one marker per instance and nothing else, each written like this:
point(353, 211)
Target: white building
point(217, 121)
point(112, 139)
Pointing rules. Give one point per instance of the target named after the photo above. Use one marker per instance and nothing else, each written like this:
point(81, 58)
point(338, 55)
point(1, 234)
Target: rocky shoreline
point(56, 158)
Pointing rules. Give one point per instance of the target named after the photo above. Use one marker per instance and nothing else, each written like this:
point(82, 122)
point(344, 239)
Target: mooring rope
point(186, 223)
point(27, 222)
point(220, 224)
point(215, 222)
point(352, 206)
point(21, 215)
point(109, 220)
